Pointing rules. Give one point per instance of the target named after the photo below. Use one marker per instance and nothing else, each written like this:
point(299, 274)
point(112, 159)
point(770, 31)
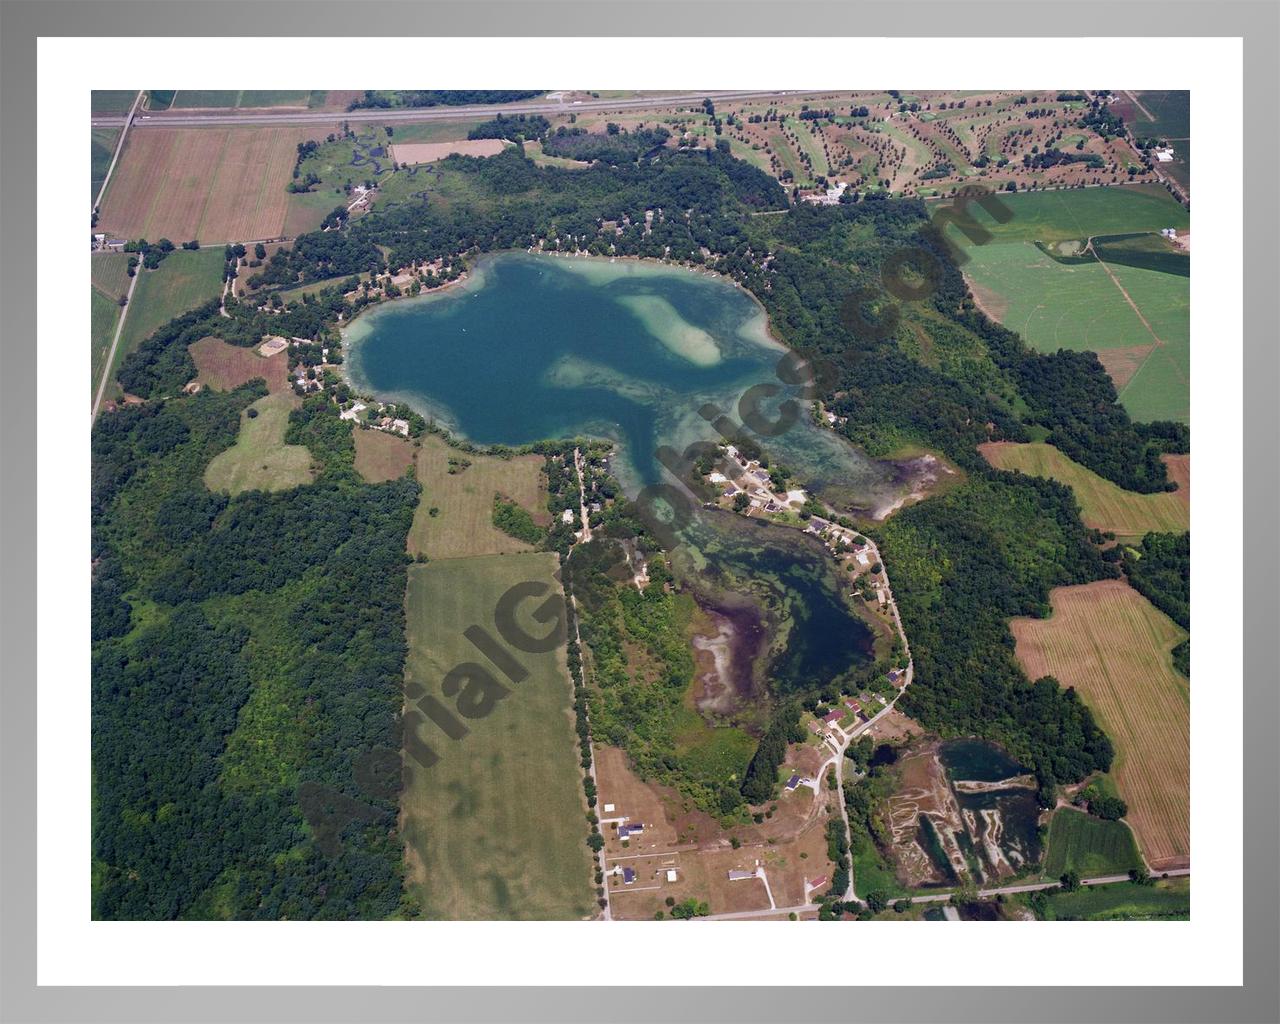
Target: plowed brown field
point(212, 184)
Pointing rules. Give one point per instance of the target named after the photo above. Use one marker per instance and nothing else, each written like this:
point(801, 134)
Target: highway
point(215, 118)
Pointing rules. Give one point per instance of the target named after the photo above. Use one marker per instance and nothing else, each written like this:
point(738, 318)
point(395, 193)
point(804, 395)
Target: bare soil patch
point(426, 152)
point(223, 367)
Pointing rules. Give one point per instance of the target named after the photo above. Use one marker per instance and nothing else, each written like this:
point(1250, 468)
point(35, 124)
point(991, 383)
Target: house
point(893, 675)
point(718, 478)
point(853, 706)
point(738, 876)
point(628, 876)
point(608, 808)
point(627, 831)
point(566, 516)
point(729, 493)
point(831, 717)
point(793, 782)
point(400, 427)
point(671, 874)
point(817, 883)
point(350, 414)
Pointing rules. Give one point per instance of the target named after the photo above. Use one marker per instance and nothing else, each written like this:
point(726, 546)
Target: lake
point(534, 347)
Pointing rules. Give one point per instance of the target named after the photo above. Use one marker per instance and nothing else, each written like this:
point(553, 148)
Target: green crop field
point(109, 275)
point(183, 281)
point(1058, 215)
point(1103, 504)
point(260, 460)
point(1082, 304)
point(496, 828)
point(1122, 901)
point(112, 101)
point(104, 314)
point(1089, 846)
point(1171, 110)
point(102, 148)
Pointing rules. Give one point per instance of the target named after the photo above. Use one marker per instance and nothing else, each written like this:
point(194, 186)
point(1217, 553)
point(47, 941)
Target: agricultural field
point(496, 828)
point(109, 274)
point(223, 367)
point(183, 281)
point(260, 460)
point(1156, 113)
point(211, 184)
point(104, 314)
point(102, 148)
point(460, 487)
point(1103, 504)
point(1087, 270)
point(1168, 900)
point(381, 456)
point(1114, 647)
point(112, 101)
point(188, 99)
point(427, 152)
point(1089, 846)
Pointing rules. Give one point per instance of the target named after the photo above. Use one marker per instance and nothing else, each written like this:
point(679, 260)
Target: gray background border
point(1258, 22)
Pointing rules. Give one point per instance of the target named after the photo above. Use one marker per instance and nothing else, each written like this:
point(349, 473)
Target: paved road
point(743, 915)
point(414, 115)
point(1009, 890)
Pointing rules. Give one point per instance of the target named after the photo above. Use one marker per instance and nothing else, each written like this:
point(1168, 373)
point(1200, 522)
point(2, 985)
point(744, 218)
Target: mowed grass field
point(104, 314)
point(1136, 319)
point(109, 276)
point(1106, 640)
point(1103, 505)
point(463, 499)
point(183, 281)
point(260, 460)
point(1089, 846)
point(381, 456)
point(211, 184)
point(496, 829)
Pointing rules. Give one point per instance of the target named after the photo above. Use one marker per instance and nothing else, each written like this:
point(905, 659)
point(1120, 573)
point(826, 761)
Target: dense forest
point(248, 651)
point(246, 694)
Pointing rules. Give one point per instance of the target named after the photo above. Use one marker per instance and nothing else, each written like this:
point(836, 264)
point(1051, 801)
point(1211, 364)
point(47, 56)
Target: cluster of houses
point(751, 478)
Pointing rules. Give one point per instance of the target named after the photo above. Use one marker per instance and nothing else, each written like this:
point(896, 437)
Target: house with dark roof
point(627, 831)
point(628, 876)
point(833, 716)
point(793, 782)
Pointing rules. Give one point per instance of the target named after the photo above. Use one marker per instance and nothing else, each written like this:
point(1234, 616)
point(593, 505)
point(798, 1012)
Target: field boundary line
point(97, 202)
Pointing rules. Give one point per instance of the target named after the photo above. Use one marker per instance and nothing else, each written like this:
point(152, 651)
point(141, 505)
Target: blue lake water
point(537, 347)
